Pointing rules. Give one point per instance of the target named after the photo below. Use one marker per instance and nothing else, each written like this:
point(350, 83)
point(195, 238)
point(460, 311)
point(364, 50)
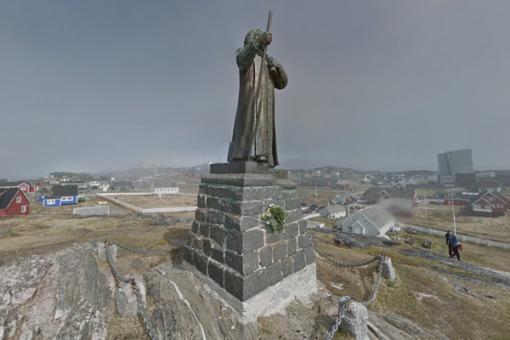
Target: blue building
point(51, 202)
point(61, 195)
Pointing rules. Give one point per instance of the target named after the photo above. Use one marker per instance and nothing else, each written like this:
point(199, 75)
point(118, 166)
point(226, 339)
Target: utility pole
point(425, 199)
point(453, 214)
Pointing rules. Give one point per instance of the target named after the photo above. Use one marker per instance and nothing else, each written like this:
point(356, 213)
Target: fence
point(139, 210)
point(94, 210)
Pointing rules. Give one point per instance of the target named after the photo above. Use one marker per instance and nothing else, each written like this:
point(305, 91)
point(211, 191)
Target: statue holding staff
point(254, 136)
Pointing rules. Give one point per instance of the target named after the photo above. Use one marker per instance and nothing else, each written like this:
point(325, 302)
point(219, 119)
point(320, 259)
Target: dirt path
point(479, 273)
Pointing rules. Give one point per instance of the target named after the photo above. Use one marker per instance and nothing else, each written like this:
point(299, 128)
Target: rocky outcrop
point(63, 295)
point(72, 294)
point(388, 271)
point(184, 308)
point(355, 321)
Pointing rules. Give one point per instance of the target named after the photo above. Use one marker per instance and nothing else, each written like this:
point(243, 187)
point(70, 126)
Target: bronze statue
point(254, 135)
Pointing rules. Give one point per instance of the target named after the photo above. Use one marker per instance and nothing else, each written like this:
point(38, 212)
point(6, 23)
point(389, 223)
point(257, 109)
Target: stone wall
point(229, 244)
point(93, 210)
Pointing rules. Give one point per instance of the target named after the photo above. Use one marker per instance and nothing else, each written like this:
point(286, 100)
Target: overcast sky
point(93, 85)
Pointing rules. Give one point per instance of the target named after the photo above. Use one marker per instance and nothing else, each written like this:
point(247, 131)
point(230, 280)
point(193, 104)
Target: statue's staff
point(257, 91)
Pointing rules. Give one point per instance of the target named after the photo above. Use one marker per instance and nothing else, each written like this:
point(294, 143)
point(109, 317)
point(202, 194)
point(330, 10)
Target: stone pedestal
point(249, 267)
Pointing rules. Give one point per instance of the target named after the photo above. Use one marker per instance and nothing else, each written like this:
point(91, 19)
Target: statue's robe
point(247, 144)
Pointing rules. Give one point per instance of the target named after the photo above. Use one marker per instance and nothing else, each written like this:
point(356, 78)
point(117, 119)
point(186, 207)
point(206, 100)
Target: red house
point(23, 186)
point(13, 202)
point(490, 204)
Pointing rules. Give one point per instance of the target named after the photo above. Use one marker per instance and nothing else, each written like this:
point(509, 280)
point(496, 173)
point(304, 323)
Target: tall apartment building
point(456, 168)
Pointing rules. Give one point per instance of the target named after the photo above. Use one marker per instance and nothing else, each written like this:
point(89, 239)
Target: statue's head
point(253, 37)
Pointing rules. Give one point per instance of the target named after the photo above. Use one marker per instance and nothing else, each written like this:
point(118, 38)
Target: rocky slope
point(73, 294)
point(63, 295)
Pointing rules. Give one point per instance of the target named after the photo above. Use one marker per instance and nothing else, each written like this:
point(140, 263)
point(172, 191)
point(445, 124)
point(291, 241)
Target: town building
point(398, 200)
point(334, 212)
point(456, 168)
point(489, 185)
point(61, 195)
point(122, 186)
point(25, 187)
point(166, 190)
point(347, 198)
point(104, 187)
point(165, 185)
point(311, 224)
point(490, 204)
point(94, 184)
point(345, 184)
point(373, 221)
point(13, 202)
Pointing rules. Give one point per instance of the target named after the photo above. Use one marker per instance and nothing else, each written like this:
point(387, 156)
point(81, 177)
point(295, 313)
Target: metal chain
point(377, 283)
point(342, 306)
point(345, 299)
point(142, 313)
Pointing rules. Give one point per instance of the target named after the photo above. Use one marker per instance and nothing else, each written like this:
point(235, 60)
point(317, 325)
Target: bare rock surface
point(355, 320)
point(184, 308)
point(63, 295)
point(388, 270)
point(72, 294)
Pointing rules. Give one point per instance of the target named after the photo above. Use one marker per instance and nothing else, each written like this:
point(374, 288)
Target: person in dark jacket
point(455, 245)
point(450, 248)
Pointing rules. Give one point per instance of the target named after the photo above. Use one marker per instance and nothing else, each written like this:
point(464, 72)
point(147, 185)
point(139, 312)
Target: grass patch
point(425, 292)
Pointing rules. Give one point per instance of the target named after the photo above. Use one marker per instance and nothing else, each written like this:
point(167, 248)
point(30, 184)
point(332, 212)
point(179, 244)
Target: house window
point(18, 199)
point(23, 209)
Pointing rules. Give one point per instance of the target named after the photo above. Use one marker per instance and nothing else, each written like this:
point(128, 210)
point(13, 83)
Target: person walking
point(448, 243)
point(455, 246)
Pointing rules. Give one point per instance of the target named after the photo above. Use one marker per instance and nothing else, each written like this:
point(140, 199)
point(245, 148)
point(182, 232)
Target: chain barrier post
point(344, 300)
point(342, 306)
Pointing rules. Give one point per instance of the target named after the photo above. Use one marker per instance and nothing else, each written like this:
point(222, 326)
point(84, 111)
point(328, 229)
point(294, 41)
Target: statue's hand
point(265, 39)
point(271, 62)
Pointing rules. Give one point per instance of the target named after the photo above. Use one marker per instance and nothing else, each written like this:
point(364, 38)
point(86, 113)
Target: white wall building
point(374, 221)
point(167, 190)
point(334, 212)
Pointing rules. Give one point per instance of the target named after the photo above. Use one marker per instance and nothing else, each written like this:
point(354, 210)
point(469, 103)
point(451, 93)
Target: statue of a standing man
point(248, 144)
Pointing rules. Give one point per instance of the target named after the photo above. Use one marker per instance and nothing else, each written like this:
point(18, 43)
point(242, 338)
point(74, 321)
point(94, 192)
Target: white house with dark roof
point(374, 221)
